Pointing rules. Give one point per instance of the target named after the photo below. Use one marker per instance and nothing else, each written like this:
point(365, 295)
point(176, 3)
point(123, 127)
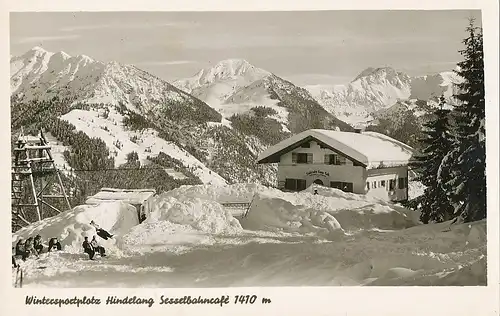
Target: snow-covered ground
point(287, 239)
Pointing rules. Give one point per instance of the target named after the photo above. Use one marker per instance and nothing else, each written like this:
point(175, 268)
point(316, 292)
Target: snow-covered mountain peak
point(36, 51)
point(61, 55)
point(231, 69)
point(85, 58)
point(380, 74)
point(235, 70)
point(378, 89)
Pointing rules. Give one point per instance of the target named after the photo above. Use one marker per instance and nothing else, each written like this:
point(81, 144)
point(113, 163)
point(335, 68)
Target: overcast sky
point(317, 47)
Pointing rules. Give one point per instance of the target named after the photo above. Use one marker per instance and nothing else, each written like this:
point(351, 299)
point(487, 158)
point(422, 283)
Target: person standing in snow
point(98, 247)
point(101, 232)
point(315, 191)
point(37, 244)
point(88, 249)
point(20, 247)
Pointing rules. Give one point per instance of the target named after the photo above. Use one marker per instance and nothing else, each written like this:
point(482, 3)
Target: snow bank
point(274, 214)
point(203, 215)
point(182, 220)
point(72, 226)
point(352, 211)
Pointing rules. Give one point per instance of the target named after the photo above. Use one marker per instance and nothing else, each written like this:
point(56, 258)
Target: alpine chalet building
point(357, 162)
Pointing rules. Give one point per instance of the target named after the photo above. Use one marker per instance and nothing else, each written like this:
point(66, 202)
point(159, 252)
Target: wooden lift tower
point(36, 181)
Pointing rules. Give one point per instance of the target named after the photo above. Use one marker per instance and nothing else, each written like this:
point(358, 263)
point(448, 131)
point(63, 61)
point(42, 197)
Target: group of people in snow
point(32, 247)
point(93, 247)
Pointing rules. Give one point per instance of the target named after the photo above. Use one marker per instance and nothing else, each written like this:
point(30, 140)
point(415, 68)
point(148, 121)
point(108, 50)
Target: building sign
point(317, 173)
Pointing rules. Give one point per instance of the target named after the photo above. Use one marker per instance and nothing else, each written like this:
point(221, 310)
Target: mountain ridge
point(376, 89)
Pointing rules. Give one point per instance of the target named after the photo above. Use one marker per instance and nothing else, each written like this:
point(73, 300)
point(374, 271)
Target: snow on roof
point(368, 148)
point(132, 196)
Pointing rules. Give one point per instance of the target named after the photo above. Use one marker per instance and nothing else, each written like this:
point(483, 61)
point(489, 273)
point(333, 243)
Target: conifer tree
point(436, 143)
point(465, 164)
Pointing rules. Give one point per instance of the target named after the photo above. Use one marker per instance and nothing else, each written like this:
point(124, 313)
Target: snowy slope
point(232, 86)
point(376, 89)
point(145, 142)
point(57, 151)
point(287, 239)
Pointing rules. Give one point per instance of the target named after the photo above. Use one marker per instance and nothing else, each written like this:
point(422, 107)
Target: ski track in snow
point(111, 131)
point(287, 239)
point(57, 151)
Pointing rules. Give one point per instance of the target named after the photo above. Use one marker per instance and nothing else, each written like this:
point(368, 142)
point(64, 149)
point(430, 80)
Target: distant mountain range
point(377, 89)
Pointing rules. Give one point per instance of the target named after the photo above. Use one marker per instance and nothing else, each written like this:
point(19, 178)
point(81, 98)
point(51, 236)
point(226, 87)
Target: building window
point(392, 184)
point(295, 184)
point(334, 159)
point(344, 186)
point(374, 184)
point(382, 183)
point(302, 158)
point(402, 183)
point(306, 145)
point(368, 185)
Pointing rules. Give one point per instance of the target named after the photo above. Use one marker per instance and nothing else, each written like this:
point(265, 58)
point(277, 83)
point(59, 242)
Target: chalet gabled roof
point(369, 149)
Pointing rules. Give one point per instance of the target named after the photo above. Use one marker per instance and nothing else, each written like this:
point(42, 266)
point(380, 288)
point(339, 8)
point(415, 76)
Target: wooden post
point(62, 188)
point(33, 191)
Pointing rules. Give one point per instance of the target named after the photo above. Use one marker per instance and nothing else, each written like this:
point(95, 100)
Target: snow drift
point(72, 226)
point(274, 214)
point(200, 214)
point(273, 209)
point(181, 220)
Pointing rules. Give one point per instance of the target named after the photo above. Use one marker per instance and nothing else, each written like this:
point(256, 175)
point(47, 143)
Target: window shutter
point(301, 184)
point(327, 159)
point(294, 157)
point(309, 158)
